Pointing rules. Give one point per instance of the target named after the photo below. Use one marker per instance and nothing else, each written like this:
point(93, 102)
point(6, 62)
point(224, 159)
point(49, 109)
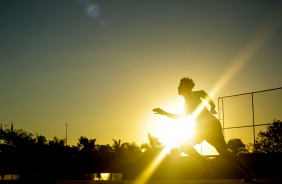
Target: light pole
point(66, 134)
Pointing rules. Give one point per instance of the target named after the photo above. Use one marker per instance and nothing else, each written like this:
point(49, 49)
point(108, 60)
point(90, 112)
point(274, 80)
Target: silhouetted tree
point(19, 151)
point(269, 141)
point(1, 133)
point(118, 147)
point(104, 157)
point(154, 145)
point(57, 142)
point(175, 152)
point(119, 155)
point(86, 144)
point(104, 149)
point(132, 153)
point(133, 149)
point(87, 154)
point(41, 140)
point(236, 146)
point(17, 138)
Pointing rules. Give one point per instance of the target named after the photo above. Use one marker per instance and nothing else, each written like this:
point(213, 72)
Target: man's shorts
point(209, 131)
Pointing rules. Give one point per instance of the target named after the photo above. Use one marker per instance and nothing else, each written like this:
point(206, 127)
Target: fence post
point(253, 112)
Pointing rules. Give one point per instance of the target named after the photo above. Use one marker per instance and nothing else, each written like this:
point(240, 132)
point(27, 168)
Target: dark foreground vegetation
point(34, 157)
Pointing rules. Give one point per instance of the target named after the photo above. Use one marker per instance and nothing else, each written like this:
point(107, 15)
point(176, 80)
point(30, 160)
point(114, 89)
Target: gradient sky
point(102, 66)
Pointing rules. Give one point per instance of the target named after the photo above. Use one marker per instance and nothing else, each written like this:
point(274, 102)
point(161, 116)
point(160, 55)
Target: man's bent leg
point(221, 148)
point(233, 159)
point(206, 165)
point(191, 151)
point(249, 174)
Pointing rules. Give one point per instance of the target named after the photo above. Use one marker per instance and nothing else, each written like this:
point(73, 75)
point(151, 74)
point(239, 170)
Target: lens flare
point(93, 10)
point(144, 177)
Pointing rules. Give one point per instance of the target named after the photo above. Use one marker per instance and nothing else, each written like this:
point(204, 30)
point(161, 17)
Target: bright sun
point(172, 132)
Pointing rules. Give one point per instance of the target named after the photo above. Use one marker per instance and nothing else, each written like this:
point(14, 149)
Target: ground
point(217, 181)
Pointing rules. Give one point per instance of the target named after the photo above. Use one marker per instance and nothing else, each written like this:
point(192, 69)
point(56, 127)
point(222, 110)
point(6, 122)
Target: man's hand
point(213, 111)
point(159, 111)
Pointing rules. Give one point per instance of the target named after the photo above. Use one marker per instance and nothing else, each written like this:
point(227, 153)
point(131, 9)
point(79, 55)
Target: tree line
point(27, 154)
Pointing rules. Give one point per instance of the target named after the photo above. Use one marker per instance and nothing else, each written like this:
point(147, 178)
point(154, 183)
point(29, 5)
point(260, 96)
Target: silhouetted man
point(207, 128)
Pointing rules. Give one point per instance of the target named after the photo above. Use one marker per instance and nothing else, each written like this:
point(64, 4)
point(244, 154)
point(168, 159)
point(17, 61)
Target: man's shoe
point(249, 177)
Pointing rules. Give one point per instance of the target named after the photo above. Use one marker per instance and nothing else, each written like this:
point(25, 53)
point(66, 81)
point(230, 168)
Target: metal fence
point(244, 115)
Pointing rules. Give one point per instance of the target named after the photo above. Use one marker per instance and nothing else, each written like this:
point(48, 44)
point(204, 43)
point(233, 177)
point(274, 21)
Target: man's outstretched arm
point(202, 94)
point(170, 115)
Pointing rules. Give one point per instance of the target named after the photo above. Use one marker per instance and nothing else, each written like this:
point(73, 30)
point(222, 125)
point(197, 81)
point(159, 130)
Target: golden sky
point(102, 66)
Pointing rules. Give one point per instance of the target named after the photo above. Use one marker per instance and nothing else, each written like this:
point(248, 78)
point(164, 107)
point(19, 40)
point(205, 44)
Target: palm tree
point(133, 149)
point(118, 146)
point(87, 154)
point(154, 144)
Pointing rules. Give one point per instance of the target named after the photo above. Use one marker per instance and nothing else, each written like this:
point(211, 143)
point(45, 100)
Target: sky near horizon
point(102, 66)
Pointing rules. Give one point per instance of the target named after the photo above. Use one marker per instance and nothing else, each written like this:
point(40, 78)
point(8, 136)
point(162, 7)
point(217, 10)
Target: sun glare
point(172, 132)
